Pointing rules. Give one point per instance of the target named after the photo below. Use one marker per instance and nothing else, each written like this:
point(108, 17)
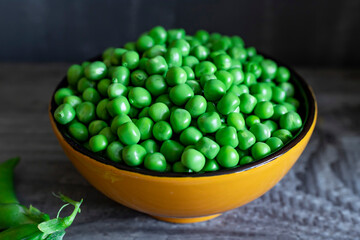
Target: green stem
point(7, 193)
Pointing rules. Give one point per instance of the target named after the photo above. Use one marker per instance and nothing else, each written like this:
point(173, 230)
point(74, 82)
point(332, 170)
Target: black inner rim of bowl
point(306, 111)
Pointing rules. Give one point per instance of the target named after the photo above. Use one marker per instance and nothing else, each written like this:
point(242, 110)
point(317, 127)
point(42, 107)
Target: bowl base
point(186, 220)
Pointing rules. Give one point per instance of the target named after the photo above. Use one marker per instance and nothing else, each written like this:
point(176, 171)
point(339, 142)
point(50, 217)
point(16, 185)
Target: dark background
point(308, 33)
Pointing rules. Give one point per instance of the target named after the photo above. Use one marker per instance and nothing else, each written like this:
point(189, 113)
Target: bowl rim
point(310, 114)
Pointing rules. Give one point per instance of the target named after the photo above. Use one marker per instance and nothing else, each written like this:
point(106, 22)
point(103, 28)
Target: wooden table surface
point(318, 199)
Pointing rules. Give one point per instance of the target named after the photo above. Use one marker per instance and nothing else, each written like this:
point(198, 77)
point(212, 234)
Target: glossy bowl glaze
point(195, 197)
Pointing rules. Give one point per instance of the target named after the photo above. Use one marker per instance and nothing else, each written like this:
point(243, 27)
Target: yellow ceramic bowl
point(187, 198)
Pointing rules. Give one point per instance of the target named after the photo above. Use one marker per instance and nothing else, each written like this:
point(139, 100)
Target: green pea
point(214, 90)
point(138, 78)
point(173, 57)
point(116, 90)
point(227, 136)
point(175, 76)
point(95, 71)
point(103, 86)
point(144, 42)
point(208, 147)
point(128, 133)
point(222, 61)
point(238, 75)
point(155, 162)
point(118, 121)
point(84, 83)
point(133, 155)
point(261, 132)
point(178, 167)
point(228, 103)
point(150, 145)
point(157, 50)
point(211, 165)
point(291, 121)
point(237, 41)
point(242, 153)
point(116, 55)
point(269, 69)
point(205, 68)
point(264, 110)
point(246, 139)
point(61, 94)
point(251, 120)
point(227, 157)
point(251, 51)
point(258, 59)
point(156, 85)
point(96, 126)
point(225, 77)
point(190, 61)
point(193, 160)
point(85, 112)
point(196, 106)
point(253, 68)
point(202, 36)
point(145, 126)
point(195, 86)
point(288, 88)
point(245, 160)
point(236, 120)
point(130, 59)
point(222, 44)
point(98, 143)
point(101, 109)
point(249, 79)
point(180, 94)
point(200, 52)
point(180, 119)
point(159, 112)
point(108, 52)
point(142, 63)
point(139, 97)
point(247, 103)
point(238, 53)
point(271, 125)
point(282, 75)
point(289, 107)
point(172, 150)
point(117, 106)
point(205, 78)
point(156, 65)
point(158, 34)
point(162, 131)
point(78, 131)
point(74, 73)
point(278, 94)
point(279, 110)
point(274, 143)
point(72, 100)
point(181, 44)
point(108, 134)
point(121, 75)
point(113, 151)
point(190, 136)
point(144, 112)
point(91, 95)
point(262, 89)
point(260, 150)
point(209, 122)
point(284, 135)
point(293, 101)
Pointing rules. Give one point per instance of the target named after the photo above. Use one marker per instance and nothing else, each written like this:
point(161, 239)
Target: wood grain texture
point(318, 199)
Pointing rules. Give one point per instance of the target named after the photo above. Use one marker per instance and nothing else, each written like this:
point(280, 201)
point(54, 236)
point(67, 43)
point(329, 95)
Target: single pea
point(172, 150)
point(72, 100)
point(246, 139)
point(96, 126)
point(101, 109)
point(237, 41)
point(98, 143)
point(117, 106)
point(139, 97)
point(138, 78)
point(159, 112)
point(211, 165)
point(178, 167)
point(238, 75)
point(116, 90)
point(278, 95)
point(254, 68)
point(222, 44)
point(193, 159)
point(155, 161)
point(264, 110)
point(261, 132)
point(164, 98)
point(121, 75)
point(130, 59)
point(61, 94)
point(257, 59)
point(291, 121)
point(271, 125)
point(228, 103)
point(260, 150)
point(158, 34)
point(180, 94)
point(222, 61)
point(274, 143)
point(242, 153)
point(284, 135)
point(84, 83)
point(209, 122)
point(247, 103)
point(288, 88)
point(91, 95)
point(225, 77)
point(227, 136)
point(175, 76)
point(249, 79)
point(107, 53)
point(145, 126)
point(235, 63)
point(251, 51)
point(142, 63)
point(227, 157)
point(162, 131)
point(190, 136)
point(74, 73)
point(180, 119)
point(204, 68)
point(201, 52)
point(208, 147)
point(108, 134)
point(205, 78)
point(113, 151)
point(279, 110)
point(173, 57)
point(157, 50)
point(118, 121)
point(128, 133)
point(263, 89)
point(190, 61)
point(95, 71)
point(181, 44)
point(213, 54)
point(156, 85)
point(156, 65)
point(245, 160)
point(269, 69)
point(293, 101)
point(236, 120)
point(116, 55)
point(214, 90)
point(202, 36)
point(85, 112)
point(282, 75)
point(150, 146)
point(78, 131)
point(144, 112)
point(289, 107)
point(133, 155)
point(190, 75)
point(144, 42)
point(196, 106)
point(195, 86)
point(251, 120)
point(238, 53)
point(102, 86)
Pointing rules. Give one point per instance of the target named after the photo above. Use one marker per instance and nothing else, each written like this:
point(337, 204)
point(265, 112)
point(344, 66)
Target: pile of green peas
point(172, 102)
